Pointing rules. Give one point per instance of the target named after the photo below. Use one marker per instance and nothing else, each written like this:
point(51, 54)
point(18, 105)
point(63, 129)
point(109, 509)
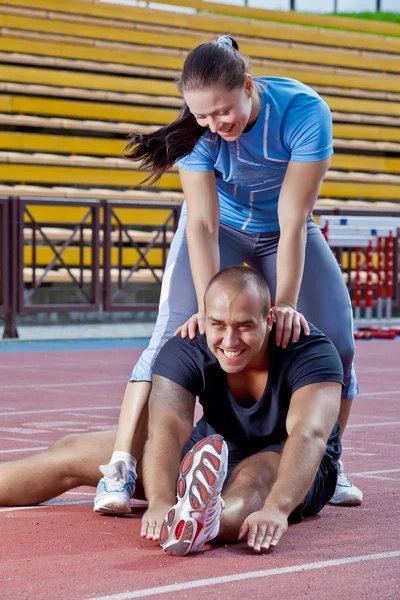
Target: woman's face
point(224, 112)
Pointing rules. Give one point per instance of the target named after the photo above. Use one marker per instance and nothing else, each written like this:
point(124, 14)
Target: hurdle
point(371, 244)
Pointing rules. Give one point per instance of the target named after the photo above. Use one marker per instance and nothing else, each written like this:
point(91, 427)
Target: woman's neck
point(255, 107)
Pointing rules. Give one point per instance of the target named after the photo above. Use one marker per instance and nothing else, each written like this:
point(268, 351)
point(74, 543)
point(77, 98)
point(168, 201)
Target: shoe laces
point(342, 479)
point(117, 471)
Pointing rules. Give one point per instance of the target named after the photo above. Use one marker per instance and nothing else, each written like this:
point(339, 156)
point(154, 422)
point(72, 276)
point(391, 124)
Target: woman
point(252, 154)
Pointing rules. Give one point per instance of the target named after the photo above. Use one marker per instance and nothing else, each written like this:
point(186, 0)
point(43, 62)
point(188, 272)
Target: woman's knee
point(78, 456)
point(65, 453)
point(67, 445)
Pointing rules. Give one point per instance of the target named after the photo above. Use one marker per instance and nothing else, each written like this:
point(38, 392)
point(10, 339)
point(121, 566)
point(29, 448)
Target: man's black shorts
point(318, 495)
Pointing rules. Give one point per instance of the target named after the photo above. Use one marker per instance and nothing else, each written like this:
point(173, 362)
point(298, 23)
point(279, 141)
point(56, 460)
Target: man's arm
point(171, 413)
point(312, 414)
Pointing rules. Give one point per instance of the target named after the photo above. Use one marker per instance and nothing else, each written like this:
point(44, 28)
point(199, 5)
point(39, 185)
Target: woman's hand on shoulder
point(189, 328)
point(288, 324)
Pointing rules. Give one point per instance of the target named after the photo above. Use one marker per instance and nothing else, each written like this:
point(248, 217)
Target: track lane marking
point(361, 416)
point(14, 439)
point(374, 472)
point(360, 443)
point(378, 393)
point(373, 424)
point(54, 504)
point(392, 479)
point(69, 384)
point(16, 450)
point(55, 410)
point(187, 585)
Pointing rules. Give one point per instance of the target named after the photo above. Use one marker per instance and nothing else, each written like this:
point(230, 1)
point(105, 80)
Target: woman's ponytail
point(159, 151)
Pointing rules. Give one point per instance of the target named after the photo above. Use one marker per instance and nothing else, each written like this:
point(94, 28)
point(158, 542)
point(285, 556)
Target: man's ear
point(269, 321)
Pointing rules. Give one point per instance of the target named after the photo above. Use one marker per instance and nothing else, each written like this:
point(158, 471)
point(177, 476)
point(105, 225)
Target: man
point(275, 408)
point(265, 451)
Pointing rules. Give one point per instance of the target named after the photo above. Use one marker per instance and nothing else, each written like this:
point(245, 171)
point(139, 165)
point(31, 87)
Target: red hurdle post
point(368, 286)
point(389, 275)
point(357, 286)
point(325, 231)
point(381, 275)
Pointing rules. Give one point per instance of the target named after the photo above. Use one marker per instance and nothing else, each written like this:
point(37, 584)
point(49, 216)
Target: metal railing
point(102, 275)
point(112, 213)
point(4, 256)
point(98, 238)
point(26, 220)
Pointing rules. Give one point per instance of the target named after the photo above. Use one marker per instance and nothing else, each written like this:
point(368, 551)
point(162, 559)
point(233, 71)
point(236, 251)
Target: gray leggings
point(323, 297)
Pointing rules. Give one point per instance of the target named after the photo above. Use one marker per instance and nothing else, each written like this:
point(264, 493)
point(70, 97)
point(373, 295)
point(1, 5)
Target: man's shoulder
point(314, 344)
point(313, 359)
point(177, 345)
point(184, 362)
point(316, 338)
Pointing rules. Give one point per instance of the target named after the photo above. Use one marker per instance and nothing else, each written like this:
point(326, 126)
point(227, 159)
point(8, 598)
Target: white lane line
point(360, 443)
point(12, 509)
point(74, 414)
point(374, 472)
point(16, 450)
point(378, 393)
point(357, 453)
point(372, 424)
point(187, 585)
point(51, 391)
point(361, 416)
point(57, 410)
point(70, 384)
point(377, 369)
point(81, 493)
point(392, 479)
point(14, 439)
point(55, 503)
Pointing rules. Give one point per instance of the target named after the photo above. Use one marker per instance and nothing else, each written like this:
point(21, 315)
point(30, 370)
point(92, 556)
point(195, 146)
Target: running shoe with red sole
point(194, 520)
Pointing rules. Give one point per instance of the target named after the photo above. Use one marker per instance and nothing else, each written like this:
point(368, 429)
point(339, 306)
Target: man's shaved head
point(240, 278)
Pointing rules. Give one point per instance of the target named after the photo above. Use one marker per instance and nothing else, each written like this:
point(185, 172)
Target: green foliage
point(373, 16)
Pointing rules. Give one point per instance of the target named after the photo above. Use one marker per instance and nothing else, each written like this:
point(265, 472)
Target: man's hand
point(198, 320)
point(152, 521)
point(264, 528)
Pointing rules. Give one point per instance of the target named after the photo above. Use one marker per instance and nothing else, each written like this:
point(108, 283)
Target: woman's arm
point(298, 195)
point(202, 228)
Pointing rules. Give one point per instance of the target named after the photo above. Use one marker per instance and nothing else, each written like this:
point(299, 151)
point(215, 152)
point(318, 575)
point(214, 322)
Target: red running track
point(66, 552)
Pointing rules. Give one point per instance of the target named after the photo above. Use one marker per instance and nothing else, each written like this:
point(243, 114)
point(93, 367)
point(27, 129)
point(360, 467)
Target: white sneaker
point(115, 489)
point(346, 492)
point(194, 520)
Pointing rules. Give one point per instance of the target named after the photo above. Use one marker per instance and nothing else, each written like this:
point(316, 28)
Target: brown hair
point(241, 277)
point(205, 65)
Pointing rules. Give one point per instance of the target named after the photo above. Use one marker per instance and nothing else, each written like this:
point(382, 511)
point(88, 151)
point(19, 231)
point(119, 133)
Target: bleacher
point(78, 77)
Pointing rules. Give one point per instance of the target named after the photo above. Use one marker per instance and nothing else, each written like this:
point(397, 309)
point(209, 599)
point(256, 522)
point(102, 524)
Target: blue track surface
point(65, 345)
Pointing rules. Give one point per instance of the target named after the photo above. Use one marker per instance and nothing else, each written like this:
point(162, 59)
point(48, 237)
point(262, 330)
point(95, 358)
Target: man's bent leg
point(70, 462)
point(246, 492)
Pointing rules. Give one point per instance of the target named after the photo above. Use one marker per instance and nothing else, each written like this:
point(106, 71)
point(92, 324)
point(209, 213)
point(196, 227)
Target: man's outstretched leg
point(69, 462)
point(196, 518)
point(246, 493)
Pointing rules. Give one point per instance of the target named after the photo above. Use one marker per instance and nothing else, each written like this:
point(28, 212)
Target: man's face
point(236, 328)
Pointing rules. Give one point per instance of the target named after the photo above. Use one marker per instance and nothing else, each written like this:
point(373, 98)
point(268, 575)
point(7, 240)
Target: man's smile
point(231, 353)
